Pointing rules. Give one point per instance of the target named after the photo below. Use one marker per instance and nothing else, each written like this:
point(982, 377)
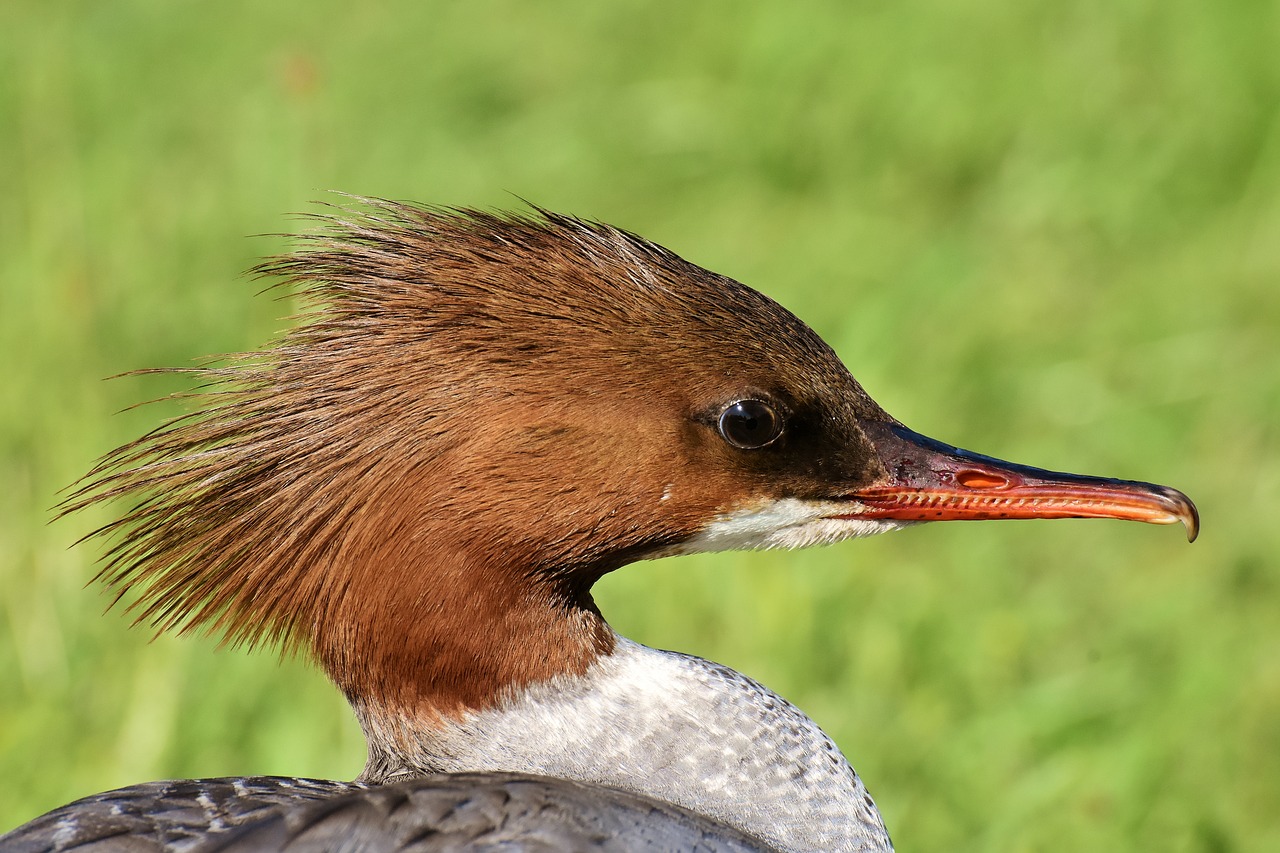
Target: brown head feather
point(409, 483)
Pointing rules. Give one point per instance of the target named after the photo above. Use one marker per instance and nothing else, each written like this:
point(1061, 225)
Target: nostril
point(981, 480)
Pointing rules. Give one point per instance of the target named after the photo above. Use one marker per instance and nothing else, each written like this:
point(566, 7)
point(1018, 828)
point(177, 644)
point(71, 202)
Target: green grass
point(1050, 232)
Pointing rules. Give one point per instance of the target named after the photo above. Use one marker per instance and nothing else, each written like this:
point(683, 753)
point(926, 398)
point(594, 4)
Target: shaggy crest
point(218, 538)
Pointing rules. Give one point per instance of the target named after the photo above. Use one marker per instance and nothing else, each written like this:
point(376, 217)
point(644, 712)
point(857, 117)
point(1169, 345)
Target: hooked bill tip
point(1181, 509)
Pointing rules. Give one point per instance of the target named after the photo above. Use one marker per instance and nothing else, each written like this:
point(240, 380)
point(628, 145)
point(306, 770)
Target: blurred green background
point(1044, 231)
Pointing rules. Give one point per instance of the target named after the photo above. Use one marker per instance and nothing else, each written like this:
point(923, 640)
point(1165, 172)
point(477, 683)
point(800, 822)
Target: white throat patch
point(785, 523)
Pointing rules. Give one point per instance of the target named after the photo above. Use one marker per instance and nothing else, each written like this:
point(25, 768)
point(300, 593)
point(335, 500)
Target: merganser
point(478, 416)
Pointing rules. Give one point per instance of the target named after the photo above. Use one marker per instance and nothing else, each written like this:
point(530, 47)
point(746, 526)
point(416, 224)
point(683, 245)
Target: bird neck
point(444, 633)
point(664, 725)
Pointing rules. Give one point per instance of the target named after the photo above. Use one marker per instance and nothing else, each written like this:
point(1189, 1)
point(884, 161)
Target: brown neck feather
point(428, 626)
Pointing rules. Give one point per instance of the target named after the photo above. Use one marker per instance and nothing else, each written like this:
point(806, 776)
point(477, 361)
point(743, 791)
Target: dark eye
point(749, 424)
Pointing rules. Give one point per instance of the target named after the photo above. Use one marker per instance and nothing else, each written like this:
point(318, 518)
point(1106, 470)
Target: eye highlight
point(750, 424)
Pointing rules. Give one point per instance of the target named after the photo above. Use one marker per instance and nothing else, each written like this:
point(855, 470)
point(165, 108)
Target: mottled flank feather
point(436, 814)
